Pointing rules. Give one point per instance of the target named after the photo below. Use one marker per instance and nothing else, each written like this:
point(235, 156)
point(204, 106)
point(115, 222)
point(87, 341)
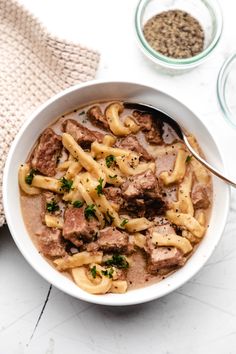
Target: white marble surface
point(198, 318)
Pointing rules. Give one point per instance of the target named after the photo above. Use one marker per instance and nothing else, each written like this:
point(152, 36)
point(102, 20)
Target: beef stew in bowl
point(112, 199)
point(83, 95)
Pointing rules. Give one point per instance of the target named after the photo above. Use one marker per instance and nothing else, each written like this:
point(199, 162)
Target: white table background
point(200, 317)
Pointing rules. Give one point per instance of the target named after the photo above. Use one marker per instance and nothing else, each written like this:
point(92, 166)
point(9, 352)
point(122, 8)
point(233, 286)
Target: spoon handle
point(206, 164)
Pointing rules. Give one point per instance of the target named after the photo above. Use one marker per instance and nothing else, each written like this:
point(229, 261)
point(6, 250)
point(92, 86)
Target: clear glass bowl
point(226, 89)
point(207, 12)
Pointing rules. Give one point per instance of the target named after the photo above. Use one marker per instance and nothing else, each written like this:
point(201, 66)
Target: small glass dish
point(226, 88)
point(207, 12)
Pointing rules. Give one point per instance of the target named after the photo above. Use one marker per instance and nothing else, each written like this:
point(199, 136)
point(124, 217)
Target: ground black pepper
point(174, 33)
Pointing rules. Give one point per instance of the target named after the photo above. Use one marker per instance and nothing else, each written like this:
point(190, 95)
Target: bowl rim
point(212, 5)
point(96, 299)
point(220, 89)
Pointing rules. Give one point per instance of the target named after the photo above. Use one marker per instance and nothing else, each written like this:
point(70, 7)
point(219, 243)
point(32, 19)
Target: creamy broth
point(143, 264)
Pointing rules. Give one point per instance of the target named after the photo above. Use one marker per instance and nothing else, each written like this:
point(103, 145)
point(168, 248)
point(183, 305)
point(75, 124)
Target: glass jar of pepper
point(178, 35)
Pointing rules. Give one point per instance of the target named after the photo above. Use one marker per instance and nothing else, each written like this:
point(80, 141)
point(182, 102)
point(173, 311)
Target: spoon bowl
point(159, 114)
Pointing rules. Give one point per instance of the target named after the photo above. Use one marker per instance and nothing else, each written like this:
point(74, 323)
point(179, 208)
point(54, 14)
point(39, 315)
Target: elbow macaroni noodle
point(112, 114)
point(179, 170)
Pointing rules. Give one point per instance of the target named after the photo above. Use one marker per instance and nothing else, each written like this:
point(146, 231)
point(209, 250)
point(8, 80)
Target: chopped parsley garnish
point(188, 159)
point(89, 211)
point(99, 187)
point(109, 218)
point(124, 222)
point(108, 272)
point(113, 176)
point(81, 113)
point(52, 206)
point(93, 271)
point(117, 261)
point(66, 184)
point(30, 176)
point(110, 159)
point(78, 203)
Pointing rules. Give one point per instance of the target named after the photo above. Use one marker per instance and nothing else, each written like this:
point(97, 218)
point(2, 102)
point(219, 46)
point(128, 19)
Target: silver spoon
point(180, 132)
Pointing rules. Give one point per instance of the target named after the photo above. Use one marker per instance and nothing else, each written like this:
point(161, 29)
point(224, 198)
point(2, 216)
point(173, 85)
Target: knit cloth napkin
point(34, 65)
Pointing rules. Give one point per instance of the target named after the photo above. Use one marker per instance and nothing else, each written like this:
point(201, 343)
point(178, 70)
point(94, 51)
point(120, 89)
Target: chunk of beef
point(82, 135)
point(97, 117)
point(50, 243)
point(132, 143)
point(140, 185)
point(46, 154)
point(200, 196)
point(112, 240)
point(77, 228)
point(143, 119)
point(165, 257)
point(162, 257)
point(142, 195)
point(145, 208)
point(152, 127)
point(154, 136)
point(91, 246)
point(114, 195)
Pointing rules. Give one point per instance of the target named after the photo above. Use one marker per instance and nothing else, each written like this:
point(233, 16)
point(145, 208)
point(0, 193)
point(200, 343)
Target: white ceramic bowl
point(69, 100)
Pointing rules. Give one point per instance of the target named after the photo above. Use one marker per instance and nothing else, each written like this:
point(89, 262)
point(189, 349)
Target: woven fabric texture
point(34, 65)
